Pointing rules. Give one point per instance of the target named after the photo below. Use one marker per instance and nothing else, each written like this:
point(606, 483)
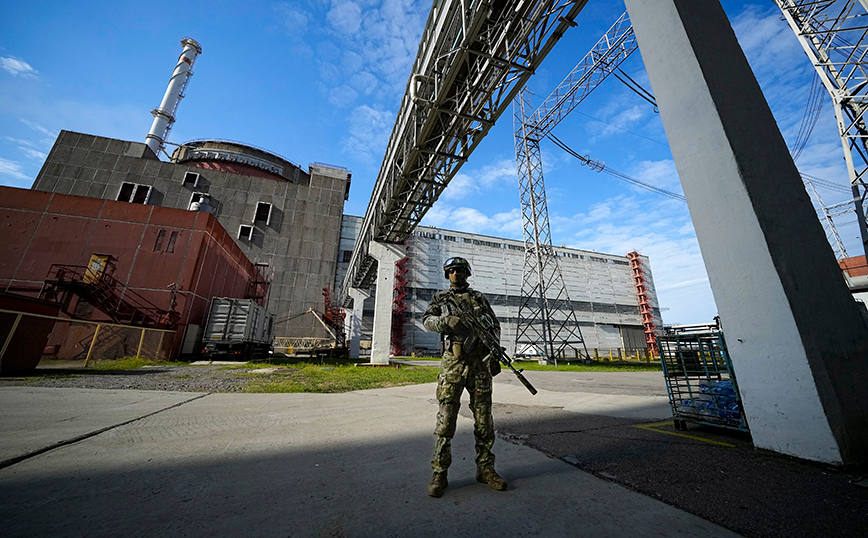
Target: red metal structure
point(334, 317)
point(159, 260)
point(257, 288)
point(399, 307)
point(102, 290)
point(644, 305)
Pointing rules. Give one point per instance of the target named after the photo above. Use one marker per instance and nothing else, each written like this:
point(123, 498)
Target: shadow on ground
point(750, 491)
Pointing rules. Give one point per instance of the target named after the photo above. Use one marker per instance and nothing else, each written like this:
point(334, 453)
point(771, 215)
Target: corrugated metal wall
point(600, 286)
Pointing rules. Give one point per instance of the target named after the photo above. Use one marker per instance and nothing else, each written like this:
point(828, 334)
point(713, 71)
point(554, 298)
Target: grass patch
point(335, 376)
point(128, 363)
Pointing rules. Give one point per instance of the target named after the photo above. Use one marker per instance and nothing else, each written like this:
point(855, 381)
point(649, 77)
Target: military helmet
point(456, 263)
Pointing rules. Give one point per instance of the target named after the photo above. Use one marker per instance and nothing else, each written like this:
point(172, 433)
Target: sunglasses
point(456, 270)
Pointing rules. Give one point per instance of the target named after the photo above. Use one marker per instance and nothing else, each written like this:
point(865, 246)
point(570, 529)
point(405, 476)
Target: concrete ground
point(78, 462)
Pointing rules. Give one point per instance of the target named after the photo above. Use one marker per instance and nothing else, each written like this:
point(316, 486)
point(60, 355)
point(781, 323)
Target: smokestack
point(164, 115)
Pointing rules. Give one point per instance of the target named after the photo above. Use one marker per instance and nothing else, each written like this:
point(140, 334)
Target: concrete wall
point(599, 285)
point(299, 243)
point(796, 337)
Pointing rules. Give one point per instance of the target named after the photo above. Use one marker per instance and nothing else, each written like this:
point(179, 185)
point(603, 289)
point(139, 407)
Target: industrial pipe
point(164, 115)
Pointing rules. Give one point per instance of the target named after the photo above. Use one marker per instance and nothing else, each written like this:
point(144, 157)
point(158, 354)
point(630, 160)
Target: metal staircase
point(103, 291)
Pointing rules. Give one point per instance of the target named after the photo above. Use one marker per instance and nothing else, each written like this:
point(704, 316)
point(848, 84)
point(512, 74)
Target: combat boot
point(438, 484)
point(490, 477)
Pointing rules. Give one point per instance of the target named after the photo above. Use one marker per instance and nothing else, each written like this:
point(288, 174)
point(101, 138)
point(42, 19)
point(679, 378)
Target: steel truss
point(828, 212)
point(546, 319)
point(473, 58)
point(832, 34)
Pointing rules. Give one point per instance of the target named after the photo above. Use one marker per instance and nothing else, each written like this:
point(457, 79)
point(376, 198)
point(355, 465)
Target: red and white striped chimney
point(164, 115)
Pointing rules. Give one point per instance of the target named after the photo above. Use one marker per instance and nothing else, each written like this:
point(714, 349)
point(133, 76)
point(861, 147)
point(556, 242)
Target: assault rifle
point(483, 330)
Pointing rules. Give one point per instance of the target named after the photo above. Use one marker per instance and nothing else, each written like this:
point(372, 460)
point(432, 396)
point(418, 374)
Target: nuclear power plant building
point(602, 289)
point(290, 223)
point(285, 219)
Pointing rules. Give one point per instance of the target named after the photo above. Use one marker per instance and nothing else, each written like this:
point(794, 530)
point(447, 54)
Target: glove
point(454, 325)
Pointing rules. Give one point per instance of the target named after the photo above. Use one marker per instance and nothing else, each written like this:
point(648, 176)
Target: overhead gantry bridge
point(473, 58)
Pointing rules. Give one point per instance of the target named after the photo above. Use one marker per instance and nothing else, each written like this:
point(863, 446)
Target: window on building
point(346, 256)
point(142, 194)
point(126, 192)
point(245, 231)
point(158, 245)
point(263, 213)
point(191, 179)
point(172, 238)
point(131, 192)
point(161, 239)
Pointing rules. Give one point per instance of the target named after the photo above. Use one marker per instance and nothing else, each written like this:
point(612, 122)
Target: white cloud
point(662, 231)
point(766, 40)
point(297, 23)
point(471, 220)
point(481, 181)
point(660, 174)
point(384, 37)
point(295, 19)
point(39, 128)
point(12, 168)
point(624, 119)
point(17, 68)
point(33, 154)
point(621, 114)
point(345, 17)
point(342, 96)
point(364, 82)
point(369, 131)
point(29, 148)
point(20, 141)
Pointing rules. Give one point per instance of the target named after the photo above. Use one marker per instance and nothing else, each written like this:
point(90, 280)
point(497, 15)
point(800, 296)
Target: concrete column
point(798, 344)
point(386, 254)
point(355, 328)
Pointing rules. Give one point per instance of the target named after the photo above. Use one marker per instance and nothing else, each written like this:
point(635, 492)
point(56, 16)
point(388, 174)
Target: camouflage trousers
point(449, 389)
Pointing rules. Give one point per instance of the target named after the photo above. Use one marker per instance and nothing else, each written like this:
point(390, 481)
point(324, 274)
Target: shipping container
point(239, 328)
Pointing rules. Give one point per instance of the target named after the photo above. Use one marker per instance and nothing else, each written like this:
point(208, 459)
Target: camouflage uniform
point(462, 368)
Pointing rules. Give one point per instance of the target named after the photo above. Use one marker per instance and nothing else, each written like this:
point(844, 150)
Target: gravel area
point(205, 378)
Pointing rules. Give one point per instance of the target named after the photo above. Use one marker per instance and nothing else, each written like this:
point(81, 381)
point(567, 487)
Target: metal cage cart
point(699, 377)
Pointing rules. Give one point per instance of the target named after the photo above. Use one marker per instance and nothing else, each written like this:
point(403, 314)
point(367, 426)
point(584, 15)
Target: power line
point(621, 128)
point(636, 87)
point(828, 184)
point(599, 166)
point(809, 120)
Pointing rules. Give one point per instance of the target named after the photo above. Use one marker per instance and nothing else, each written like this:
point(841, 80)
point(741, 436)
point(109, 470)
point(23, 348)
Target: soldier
point(465, 365)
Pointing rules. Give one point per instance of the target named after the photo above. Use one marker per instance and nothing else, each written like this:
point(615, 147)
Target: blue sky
point(321, 81)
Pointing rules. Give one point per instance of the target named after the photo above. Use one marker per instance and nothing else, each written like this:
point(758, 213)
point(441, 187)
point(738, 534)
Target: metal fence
point(700, 379)
point(89, 341)
point(81, 340)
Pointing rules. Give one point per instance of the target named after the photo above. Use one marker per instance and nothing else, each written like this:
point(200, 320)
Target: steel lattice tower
point(833, 35)
point(546, 319)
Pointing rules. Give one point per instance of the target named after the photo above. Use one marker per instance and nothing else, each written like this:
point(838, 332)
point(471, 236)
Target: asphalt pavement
point(593, 454)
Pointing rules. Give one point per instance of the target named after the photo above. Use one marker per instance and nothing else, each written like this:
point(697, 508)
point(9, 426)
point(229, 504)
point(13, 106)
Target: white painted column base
point(355, 328)
point(797, 343)
point(386, 254)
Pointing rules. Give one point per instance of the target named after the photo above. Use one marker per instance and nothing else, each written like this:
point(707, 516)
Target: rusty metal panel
point(178, 218)
point(58, 239)
point(126, 212)
point(18, 230)
point(115, 238)
point(23, 199)
point(188, 249)
point(80, 206)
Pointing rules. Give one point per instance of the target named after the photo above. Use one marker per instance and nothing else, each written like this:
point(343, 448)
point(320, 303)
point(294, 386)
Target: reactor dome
point(236, 158)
